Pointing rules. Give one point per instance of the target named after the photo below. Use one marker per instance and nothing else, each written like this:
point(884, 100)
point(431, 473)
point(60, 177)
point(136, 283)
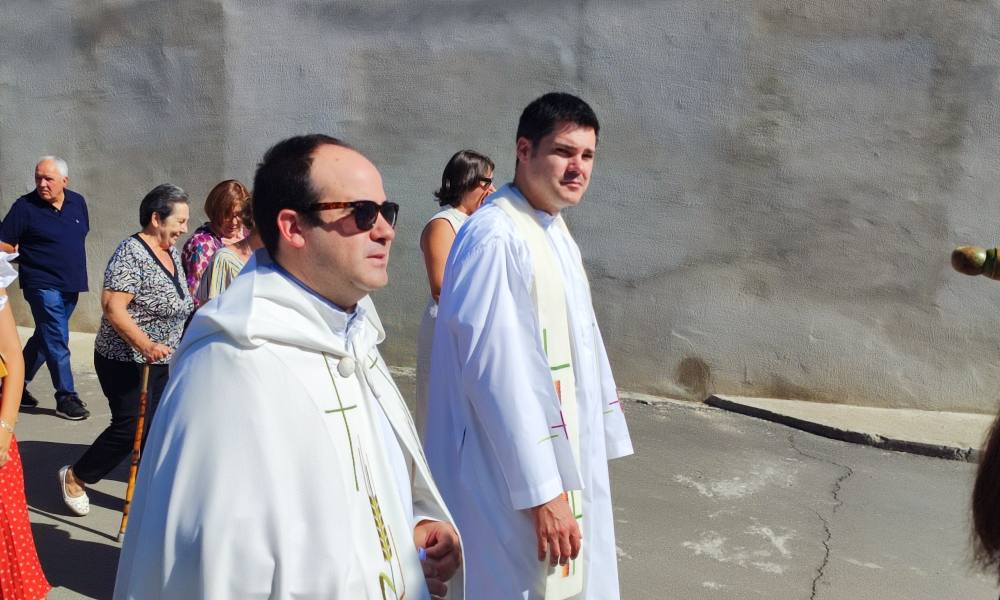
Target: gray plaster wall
point(778, 186)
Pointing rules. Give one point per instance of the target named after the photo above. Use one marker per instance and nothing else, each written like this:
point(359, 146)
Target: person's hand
point(557, 531)
point(438, 589)
point(154, 352)
point(444, 553)
point(5, 438)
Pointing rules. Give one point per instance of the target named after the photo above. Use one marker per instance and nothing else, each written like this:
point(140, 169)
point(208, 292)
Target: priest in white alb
point(282, 462)
point(523, 412)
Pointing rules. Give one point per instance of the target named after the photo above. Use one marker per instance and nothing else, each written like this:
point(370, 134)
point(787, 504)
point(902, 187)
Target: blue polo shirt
point(50, 241)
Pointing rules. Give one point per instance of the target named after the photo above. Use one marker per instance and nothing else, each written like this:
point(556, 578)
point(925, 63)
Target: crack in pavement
point(837, 503)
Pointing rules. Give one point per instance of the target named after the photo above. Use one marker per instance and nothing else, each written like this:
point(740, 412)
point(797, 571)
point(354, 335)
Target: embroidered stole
point(379, 528)
point(549, 295)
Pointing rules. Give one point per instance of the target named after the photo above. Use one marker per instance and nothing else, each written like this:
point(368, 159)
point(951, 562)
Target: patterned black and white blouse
point(161, 303)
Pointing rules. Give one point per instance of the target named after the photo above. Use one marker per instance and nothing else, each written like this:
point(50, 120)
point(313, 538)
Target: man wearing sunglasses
point(283, 462)
point(523, 414)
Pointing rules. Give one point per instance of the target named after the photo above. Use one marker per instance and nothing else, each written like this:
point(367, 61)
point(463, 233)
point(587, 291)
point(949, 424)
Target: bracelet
point(6, 426)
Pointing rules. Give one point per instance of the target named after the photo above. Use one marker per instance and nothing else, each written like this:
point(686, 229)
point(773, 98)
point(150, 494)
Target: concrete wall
point(778, 186)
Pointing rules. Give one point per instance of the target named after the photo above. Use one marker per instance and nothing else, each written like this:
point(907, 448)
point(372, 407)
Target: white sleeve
point(616, 436)
point(505, 373)
point(7, 274)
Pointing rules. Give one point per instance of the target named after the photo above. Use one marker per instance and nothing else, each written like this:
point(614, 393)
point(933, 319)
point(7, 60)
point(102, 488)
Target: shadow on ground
point(79, 565)
point(87, 568)
point(42, 461)
point(38, 410)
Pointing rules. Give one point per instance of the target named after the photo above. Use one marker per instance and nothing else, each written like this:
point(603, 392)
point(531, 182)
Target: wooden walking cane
point(136, 445)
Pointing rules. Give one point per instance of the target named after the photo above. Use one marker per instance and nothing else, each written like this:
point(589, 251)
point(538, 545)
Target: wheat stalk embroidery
point(385, 539)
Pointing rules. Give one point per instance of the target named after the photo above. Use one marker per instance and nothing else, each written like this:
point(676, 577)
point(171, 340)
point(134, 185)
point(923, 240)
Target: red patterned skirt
point(21, 576)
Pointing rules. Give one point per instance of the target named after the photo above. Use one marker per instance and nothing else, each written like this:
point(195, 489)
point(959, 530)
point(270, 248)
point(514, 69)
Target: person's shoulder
point(73, 196)
point(25, 202)
point(225, 253)
point(18, 217)
point(489, 223)
point(488, 230)
point(220, 369)
point(214, 346)
point(129, 245)
point(200, 237)
point(210, 343)
point(439, 222)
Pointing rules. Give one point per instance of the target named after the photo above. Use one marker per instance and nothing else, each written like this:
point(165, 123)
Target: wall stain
point(695, 376)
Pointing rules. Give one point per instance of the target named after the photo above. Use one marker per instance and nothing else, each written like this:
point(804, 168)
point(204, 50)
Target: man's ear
point(523, 149)
point(290, 227)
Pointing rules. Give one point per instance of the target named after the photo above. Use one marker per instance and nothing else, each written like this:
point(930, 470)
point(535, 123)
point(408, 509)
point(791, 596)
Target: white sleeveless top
point(455, 218)
point(452, 215)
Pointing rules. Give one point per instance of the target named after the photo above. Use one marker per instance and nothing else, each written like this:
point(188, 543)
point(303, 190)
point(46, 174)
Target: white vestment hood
point(243, 487)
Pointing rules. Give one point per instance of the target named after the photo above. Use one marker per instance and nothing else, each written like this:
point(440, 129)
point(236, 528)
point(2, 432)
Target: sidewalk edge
point(854, 437)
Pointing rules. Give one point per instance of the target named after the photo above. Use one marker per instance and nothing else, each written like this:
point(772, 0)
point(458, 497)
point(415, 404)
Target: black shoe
point(27, 400)
point(71, 407)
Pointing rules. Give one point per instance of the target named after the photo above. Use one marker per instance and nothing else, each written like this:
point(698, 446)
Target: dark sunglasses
point(486, 180)
point(365, 211)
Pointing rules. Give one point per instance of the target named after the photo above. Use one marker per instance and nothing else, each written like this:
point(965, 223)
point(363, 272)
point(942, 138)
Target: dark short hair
point(540, 118)
point(160, 200)
point(283, 181)
point(224, 197)
point(461, 174)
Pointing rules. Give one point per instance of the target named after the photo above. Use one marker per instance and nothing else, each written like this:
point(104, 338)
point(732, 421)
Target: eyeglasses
point(365, 211)
point(486, 180)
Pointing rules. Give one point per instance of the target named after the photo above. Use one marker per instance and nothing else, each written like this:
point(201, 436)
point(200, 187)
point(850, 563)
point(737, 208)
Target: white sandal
point(80, 505)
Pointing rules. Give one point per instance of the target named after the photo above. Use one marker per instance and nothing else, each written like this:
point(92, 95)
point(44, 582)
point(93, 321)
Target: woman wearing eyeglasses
point(467, 181)
point(224, 207)
point(227, 263)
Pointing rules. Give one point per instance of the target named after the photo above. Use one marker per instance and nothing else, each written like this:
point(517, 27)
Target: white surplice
point(491, 400)
point(282, 461)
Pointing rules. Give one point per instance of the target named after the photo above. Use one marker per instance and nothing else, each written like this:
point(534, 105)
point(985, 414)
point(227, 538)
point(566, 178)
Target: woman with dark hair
point(224, 207)
point(467, 181)
point(146, 304)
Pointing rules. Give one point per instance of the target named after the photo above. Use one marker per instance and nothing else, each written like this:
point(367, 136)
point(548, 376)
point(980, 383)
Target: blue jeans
point(51, 310)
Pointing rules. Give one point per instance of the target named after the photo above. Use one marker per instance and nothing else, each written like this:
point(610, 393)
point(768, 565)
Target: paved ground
point(715, 505)
point(719, 505)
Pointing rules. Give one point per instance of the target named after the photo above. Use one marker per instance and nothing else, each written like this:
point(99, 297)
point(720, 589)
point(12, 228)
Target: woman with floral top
point(223, 206)
point(146, 304)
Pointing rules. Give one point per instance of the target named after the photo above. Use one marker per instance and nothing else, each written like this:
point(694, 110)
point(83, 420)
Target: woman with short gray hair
point(146, 304)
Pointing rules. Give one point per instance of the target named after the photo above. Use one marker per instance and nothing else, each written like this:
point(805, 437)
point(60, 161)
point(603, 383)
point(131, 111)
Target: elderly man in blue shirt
point(49, 226)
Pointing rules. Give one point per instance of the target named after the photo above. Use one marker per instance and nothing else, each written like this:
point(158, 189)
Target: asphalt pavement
point(714, 504)
point(719, 505)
